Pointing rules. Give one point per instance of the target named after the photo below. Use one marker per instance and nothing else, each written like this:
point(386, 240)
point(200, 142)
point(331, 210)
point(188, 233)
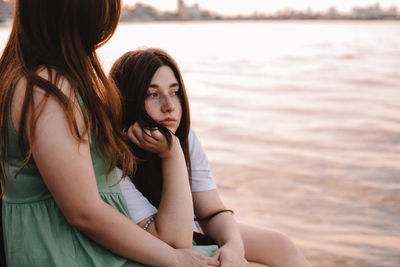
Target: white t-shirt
point(202, 180)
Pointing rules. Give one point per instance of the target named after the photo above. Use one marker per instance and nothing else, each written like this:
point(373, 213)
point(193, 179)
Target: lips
point(168, 122)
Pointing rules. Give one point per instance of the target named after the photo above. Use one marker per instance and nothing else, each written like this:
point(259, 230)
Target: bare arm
point(222, 227)
point(55, 149)
point(174, 220)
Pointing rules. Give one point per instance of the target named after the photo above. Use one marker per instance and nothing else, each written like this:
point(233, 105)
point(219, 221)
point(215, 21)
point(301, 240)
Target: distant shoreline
point(8, 23)
point(255, 20)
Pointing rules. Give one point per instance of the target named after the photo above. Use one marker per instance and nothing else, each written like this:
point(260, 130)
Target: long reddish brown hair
point(62, 36)
point(132, 73)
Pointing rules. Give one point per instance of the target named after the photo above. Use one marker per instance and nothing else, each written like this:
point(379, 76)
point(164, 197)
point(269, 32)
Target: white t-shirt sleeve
point(202, 179)
point(138, 205)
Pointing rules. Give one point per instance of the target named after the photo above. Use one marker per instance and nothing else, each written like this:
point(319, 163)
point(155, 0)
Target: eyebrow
point(155, 86)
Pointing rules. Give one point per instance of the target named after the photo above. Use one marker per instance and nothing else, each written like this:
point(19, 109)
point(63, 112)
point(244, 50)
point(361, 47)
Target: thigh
point(270, 247)
point(256, 264)
point(264, 246)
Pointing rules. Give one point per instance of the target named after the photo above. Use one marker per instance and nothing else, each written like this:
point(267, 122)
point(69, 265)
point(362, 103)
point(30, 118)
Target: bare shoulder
point(40, 100)
point(56, 78)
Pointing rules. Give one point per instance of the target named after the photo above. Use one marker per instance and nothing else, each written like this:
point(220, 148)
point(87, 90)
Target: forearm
point(224, 230)
point(119, 234)
point(174, 222)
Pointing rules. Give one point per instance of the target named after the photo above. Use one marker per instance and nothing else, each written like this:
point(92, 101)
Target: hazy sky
point(265, 6)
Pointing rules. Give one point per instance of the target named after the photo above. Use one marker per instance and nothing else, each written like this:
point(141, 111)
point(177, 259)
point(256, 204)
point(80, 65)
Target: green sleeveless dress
point(36, 233)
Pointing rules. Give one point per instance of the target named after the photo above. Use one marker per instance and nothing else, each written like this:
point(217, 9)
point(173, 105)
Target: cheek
point(151, 108)
point(178, 108)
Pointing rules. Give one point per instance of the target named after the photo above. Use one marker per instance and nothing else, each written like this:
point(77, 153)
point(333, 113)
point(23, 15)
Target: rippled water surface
point(301, 122)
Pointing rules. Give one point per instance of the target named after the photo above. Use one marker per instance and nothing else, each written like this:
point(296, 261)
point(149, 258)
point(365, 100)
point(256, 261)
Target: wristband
point(149, 221)
point(206, 218)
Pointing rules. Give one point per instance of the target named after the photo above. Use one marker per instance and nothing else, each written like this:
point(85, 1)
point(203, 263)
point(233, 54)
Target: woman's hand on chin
point(153, 141)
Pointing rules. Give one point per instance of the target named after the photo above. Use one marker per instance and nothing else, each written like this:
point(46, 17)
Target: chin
point(172, 130)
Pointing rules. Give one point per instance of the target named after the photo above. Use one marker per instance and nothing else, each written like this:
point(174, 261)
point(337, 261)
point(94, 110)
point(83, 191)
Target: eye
point(176, 92)
point(151, 95)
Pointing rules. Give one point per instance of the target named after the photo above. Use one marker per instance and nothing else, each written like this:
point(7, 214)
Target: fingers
point(206, 260)
point(140, 137)
point(156, 134)
point(132, 135)
point(212, 262)
point(148, 139)
point(226, 263)
point(188, 257)
point(147, 135)
point(216, 254)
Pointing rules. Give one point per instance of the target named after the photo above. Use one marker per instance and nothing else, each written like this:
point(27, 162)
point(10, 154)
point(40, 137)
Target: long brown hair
point(62, 36)
point(132, 73)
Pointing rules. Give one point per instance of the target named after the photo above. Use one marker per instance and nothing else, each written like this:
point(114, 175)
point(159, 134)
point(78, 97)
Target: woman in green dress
point(60, 141)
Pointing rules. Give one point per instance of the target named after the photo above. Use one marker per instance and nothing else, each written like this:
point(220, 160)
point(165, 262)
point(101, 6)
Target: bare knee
point(290, 255)
point(284, 243)
point(271, 248)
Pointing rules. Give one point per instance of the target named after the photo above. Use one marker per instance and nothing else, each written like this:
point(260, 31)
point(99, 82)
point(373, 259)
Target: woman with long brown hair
point(61, 139)
point(173, 182)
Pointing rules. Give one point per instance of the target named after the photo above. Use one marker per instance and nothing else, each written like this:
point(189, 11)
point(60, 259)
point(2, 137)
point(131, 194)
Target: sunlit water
point(301, 122)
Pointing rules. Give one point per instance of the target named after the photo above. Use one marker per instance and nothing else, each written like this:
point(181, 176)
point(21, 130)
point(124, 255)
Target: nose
point(167, 104)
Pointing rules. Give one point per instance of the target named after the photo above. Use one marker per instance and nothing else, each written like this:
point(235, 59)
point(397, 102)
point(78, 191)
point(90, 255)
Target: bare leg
point(255, 264)
point(270, 248)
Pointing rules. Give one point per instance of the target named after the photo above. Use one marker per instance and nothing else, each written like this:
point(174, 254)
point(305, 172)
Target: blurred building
point(374, 12)
point(6, 8)
point(191, 12)
point(140, 12)
point(332, 13)
point(392, 12)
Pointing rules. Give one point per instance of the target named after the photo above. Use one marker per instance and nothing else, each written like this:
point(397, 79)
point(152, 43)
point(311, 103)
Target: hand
point(229, 258)
point(189, 258)
point(152, 140)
